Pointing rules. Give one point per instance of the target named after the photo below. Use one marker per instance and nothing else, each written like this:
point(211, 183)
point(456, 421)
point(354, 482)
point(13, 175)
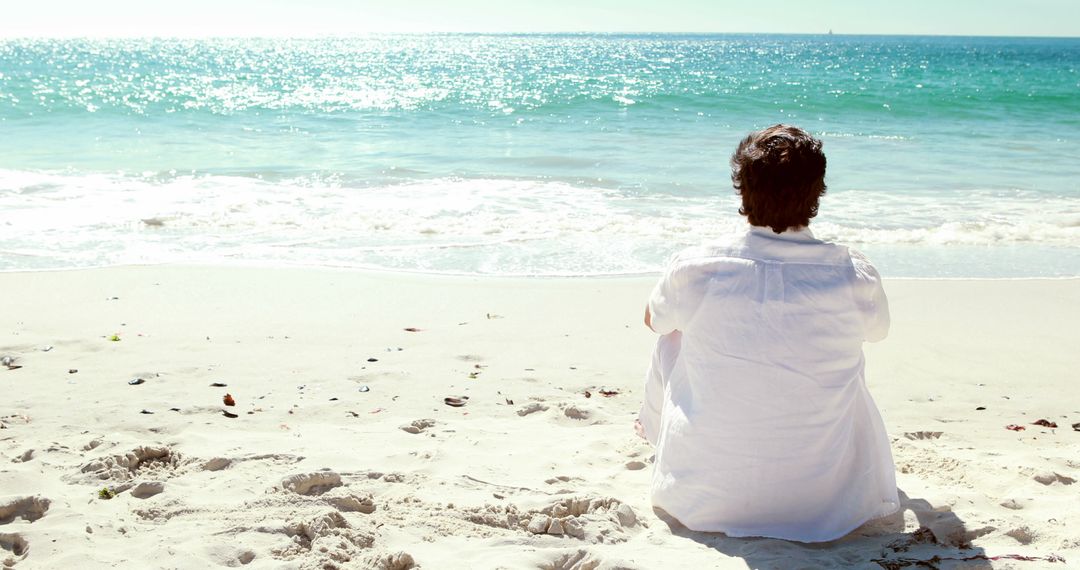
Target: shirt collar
point(802, 234)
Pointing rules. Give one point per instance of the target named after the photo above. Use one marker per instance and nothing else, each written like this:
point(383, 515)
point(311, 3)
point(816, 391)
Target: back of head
point(780, 174)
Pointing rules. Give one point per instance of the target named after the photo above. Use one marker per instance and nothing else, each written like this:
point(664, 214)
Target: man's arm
point(872, 300)
point(648, 320)
point(664, 311)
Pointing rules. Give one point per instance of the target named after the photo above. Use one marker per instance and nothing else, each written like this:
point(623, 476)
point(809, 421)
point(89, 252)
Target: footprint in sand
point(577, 560)
point(1023, 535)
point(1049, 478)
point(348, 502)
point(315, 483)
point(945, 527)
point(569, 414)
point(221, 463)
point(577, 413)
point(159, 461)
point(1012, 504)
point(531, 409)
point(147, 489)
point(635, 465)
point(580, 506)
point(229, 555)
point(395, 561)
point(570, 517)
point(913, 435)
point(217, 464)
point(329, 536)
point(29, 509)
point(14, 544)
point(418, 426)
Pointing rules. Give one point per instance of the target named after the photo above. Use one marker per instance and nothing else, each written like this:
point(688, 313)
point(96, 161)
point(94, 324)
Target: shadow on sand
point(941, 541)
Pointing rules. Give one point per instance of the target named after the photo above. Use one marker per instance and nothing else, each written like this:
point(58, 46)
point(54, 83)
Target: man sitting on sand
point(755, 399)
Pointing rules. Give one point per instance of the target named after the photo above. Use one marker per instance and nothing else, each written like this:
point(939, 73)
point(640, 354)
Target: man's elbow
point(878, 332)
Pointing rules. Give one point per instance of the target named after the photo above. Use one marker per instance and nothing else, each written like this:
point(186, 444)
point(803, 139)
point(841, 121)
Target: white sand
point(315, 473)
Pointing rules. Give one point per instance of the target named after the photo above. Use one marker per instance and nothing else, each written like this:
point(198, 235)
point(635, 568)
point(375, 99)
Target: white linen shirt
point(762, 422)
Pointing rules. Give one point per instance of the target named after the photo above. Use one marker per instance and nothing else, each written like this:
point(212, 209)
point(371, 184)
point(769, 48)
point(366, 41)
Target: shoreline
point(438, 275)
point(314, 472)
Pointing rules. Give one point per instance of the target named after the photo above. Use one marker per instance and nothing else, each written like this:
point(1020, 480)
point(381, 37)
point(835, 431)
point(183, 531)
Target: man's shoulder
point(740, 251)
point(864, 269)
point(709, 254)
point(692, 268)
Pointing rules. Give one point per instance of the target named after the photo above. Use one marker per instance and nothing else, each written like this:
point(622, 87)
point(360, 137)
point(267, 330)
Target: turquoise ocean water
point(530, 155)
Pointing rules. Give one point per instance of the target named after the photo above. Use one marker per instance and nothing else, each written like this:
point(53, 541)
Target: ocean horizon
point(631, 34)
point(546, 154)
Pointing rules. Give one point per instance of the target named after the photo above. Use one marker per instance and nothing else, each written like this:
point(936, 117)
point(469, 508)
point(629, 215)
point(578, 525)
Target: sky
point(306, 18)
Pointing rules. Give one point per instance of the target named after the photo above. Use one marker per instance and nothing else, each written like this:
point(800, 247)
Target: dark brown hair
point(780, 174)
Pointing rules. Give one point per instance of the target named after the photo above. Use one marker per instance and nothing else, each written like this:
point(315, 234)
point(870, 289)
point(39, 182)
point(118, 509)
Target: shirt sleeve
point(870, 296)
point(664, 303)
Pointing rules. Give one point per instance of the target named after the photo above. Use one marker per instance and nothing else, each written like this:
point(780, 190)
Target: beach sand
point(343, 453)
